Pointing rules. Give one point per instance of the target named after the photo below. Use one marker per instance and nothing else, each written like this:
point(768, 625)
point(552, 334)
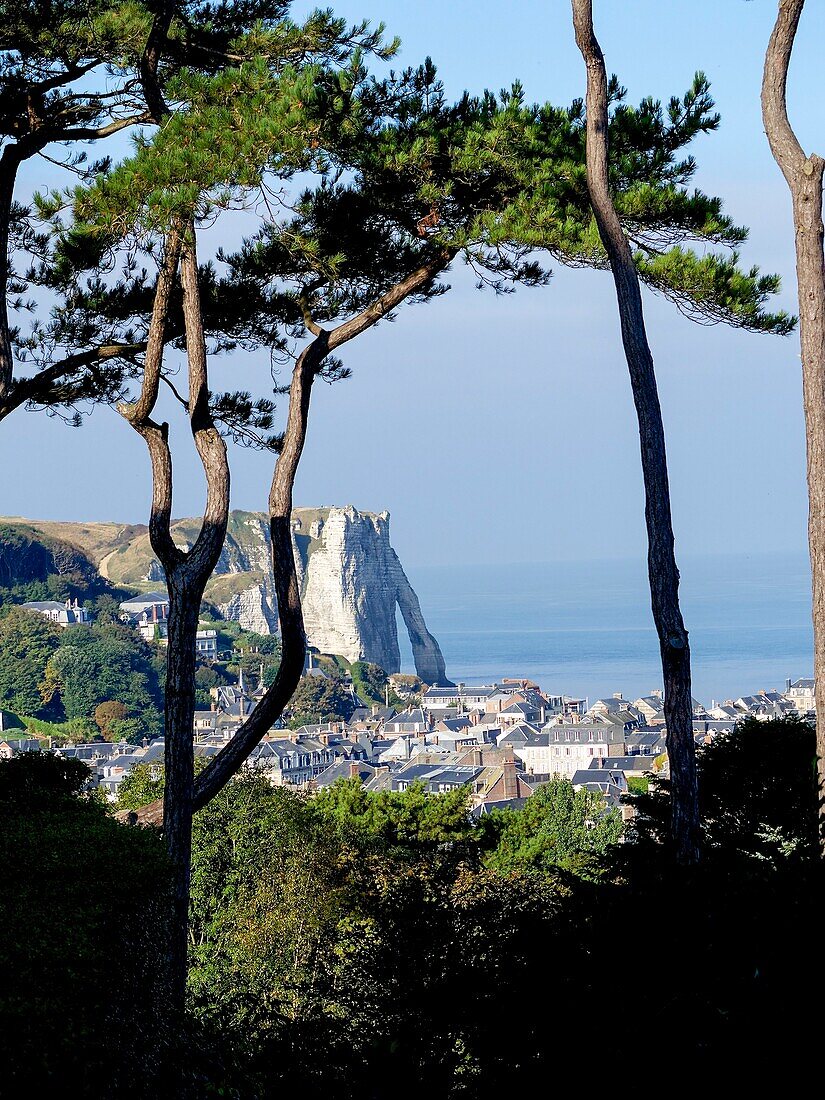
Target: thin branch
point(378, 309)
point(178, 396)
point(38, 388)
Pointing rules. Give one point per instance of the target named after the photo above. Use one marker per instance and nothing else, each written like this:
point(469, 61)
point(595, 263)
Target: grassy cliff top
point(122, 551)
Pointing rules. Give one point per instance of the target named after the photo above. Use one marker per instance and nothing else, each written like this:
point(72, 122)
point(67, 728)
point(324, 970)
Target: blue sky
point(502, 429)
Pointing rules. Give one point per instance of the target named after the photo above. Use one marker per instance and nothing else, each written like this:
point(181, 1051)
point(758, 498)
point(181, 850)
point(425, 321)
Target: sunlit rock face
point(351, 582)
point(255, 609)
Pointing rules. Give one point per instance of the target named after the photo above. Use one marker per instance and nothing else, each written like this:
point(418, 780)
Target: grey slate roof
point(637, 764)
point(342, 770)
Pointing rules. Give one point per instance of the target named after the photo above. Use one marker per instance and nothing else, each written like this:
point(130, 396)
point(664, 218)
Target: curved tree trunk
point(186, 571)
point(661, 560)
point(290, 616)
point(223, 766)
point(804, 175)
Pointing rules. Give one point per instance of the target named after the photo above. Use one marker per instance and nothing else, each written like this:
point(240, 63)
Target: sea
point(585, 629)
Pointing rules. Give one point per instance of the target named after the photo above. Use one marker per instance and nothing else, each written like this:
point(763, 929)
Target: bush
point(83, 912)
point(757, 795)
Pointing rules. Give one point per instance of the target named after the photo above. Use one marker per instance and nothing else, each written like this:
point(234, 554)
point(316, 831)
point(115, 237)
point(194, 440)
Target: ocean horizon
point(585, 628)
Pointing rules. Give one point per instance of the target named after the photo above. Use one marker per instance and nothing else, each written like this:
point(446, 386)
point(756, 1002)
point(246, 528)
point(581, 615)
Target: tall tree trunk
point(186, 577)
point(661, 560)
point(186, 572)
point(179, 714)
point(804, 176)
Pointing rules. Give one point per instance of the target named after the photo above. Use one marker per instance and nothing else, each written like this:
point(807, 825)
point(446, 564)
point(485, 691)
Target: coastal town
point(501, 741)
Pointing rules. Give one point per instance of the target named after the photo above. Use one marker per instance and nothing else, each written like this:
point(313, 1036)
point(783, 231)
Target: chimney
point(354, 769)
point(508, 775)
point(788, 684)
point(543, 715)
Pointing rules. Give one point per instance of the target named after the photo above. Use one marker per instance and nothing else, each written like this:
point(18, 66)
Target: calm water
point(585, 628)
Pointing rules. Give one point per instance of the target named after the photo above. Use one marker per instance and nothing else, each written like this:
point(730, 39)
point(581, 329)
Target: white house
point(206, 644)
point(64, 614)
point(564, 750)
point(148, 614)
point(801, 694)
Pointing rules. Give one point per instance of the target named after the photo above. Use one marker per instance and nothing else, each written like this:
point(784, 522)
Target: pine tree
point(693, 115)
point(66, 81)
point(224, 132)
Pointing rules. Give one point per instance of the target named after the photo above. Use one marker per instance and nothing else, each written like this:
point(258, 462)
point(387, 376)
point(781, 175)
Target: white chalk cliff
point(351, 582)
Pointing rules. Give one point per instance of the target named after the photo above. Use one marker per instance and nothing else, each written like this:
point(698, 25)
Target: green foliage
point(36, 778)
point(410, 819)
point(638, 784)
point(320, 928)
point(75, 730)
point(27, 642)
point(558, 827)
point(79, 892)
point(370, 682)
point(320, 699)
point(663, 217)
point(323, 925)
point(143, 784)
point(258, 655)
point(107, 663)
point(757, 795)
point(36, 567)
point(71, 74)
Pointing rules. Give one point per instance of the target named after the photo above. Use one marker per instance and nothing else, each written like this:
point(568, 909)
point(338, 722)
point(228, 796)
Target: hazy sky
point(502, 429)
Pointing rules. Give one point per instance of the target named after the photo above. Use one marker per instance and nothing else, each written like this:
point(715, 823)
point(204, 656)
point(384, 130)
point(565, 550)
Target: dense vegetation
point(82, 909)
point(346, 942)
point(63, 676)
point(340, 686)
